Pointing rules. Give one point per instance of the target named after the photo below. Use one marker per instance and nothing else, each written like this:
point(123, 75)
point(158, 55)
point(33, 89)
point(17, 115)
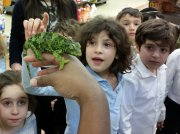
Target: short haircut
point(155, 30)
point(131, 11)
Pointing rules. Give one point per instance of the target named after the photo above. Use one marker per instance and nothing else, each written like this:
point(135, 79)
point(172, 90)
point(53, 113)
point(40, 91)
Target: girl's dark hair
point(156, 30)
point(35, 9)
point(131, 11)
point(11, 77)
point(116, 32)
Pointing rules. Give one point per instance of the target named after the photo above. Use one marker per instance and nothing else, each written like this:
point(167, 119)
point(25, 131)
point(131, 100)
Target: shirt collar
point(99, 78)
point(144, 71)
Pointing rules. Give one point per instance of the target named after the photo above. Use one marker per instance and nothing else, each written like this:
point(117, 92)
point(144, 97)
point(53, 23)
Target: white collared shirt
point(173, 76)
point(142, 99)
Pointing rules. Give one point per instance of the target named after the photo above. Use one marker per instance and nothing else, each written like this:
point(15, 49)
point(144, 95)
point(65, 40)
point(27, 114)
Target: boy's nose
point(132, 27)
point(156, 53)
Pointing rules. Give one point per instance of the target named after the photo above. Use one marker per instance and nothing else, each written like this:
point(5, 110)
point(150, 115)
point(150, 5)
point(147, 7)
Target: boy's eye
point(126, 24)
point(149, 47)
point(164, 50)
point(137, 24)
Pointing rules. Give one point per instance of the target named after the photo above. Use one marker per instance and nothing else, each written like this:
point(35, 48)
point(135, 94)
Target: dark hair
point(68, 27)
point(151, 13)
point(116, 32)
point(155, 30)
point(131, 11)
point(35, 9)
point(11, 77)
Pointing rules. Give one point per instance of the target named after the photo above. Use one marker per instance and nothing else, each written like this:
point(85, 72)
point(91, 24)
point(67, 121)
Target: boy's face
point(130, 23)
point(153, 55)
point(100, 52)
point(13, 106)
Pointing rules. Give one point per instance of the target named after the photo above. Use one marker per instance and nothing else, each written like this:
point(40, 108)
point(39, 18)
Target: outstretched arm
point(75, 82)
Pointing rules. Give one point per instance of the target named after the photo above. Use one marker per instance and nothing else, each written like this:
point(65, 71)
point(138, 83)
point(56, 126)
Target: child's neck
point(111, 78)
point(154, 72)
point(9, 130)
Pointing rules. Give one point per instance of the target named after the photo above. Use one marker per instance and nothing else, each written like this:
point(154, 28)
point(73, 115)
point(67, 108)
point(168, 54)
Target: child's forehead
point(13, 91)
point(158, 43)
point(127, 15)
point(103, 33)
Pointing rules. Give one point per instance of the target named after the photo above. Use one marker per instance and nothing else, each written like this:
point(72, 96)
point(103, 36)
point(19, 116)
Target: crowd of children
point(128, 56)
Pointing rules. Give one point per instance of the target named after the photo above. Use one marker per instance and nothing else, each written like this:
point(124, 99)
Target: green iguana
point(53, 43)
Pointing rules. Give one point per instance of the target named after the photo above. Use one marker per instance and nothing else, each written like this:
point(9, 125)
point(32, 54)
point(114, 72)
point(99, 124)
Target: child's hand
point(34, 26)
point(16, 66)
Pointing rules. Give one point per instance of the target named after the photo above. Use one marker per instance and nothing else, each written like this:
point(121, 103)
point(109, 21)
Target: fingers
point(41, 81)
point(31, 27)
point(47, 60)
point(34, 26)
point(48, 71)
point(45, 21)
point(30, 58)
point(16, 66)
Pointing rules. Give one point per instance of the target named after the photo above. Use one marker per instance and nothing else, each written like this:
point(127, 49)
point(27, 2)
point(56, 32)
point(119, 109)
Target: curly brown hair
point(116, 32)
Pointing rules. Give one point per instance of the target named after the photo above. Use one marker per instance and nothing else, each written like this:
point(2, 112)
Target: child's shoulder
point(176, 52)
point(175, 55)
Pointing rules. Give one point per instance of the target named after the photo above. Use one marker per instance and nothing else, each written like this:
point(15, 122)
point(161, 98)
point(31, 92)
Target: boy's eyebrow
point(159, 44)
point(129, 20)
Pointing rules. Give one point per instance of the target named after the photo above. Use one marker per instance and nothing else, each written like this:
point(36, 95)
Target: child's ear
point(136, 47)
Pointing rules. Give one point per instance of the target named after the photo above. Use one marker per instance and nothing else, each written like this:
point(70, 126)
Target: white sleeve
point(41, 91)
point(172, 63)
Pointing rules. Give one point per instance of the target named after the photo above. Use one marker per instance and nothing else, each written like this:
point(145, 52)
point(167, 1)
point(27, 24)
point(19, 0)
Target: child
point(130, 19)
point(172, 102)
point(4, 65)
point(16, 106)
point(106, 55)
point(145, 87)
